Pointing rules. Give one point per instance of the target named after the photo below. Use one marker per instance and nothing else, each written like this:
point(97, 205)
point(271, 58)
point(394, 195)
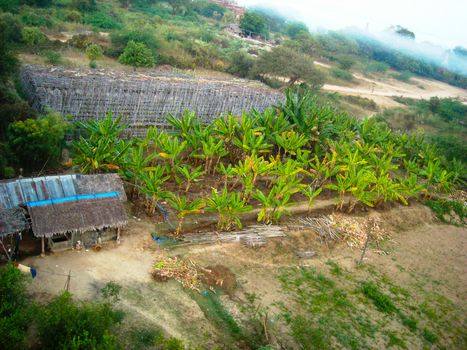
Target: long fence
point(142, 99)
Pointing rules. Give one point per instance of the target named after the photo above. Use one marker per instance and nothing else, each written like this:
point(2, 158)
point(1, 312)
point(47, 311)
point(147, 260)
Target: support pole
point(118, 235)
point(43, 248)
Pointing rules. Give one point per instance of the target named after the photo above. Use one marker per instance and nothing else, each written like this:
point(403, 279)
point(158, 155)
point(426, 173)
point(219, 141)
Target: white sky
point(440, 22)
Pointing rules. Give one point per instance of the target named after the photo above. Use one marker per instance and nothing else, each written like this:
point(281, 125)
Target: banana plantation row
point(270, 160)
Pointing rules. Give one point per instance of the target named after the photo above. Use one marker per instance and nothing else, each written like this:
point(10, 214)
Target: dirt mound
point(220, 276)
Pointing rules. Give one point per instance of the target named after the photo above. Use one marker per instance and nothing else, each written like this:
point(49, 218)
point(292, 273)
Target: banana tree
point(102, 149)
point(228, 207)
point(183, 208)
point(212, 149)
point(151, 186)
point(311, 193)
point(188, 175)
point(172, 149)
point(276, 202)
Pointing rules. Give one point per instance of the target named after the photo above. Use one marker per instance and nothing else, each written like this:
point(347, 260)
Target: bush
point(33, 36)
point(240, 64)
point(341, 74)
point(65, 324)
point(14, 314)
point(94, 52)
point(73, 16)
point(377, 67)
point(253, 24)
point(34, 19)
point(37, 142)
point(10, 28)
point(53, 57)
point(144, 36)
point(137, 55)
point(102, 20)
point(9, 5)
point(404, 76)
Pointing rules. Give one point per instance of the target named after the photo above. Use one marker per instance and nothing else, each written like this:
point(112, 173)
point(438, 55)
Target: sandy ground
point(381, 90)
point(418, 245)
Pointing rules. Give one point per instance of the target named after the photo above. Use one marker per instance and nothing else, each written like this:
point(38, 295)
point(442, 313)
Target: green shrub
point(444, 208)
point(137, 55)
point(102, 20)
point(65, 324)
point(15, 314)
point(9, 5)
point(240, 63)
point(94, 52)
point(404, 76)
point(33, 36)
point(341, 74)
point(377, 67)
point(34, 18)
point(37, 142)
point(53, 57)
point(10, 28)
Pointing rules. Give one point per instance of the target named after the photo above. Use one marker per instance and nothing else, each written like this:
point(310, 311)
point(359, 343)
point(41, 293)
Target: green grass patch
point(218, 315)
point(382, 302)
point(395, 341)
point(429, 336)
point(445, 209)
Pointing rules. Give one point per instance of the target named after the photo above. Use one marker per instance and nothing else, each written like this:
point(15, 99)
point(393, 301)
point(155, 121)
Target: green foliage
point(33, 36)
point(253, 23)
point(137, 55)
point(382, 302)
point(208, 9)
point(10, 28)
point(404, 76)
point(15, 314)
point(9, 5)
point(64, 323)
point(102, 20)
point(94, 52)
point(241, 64)
point(184, 207)
point(53, 57)
point(341, 74)
point(37, 143)
point(445, 210)
point(228, 206)
point(376, 67)
point(429, 336)
point(284, 62)
point(294, 29)
point(101, 150)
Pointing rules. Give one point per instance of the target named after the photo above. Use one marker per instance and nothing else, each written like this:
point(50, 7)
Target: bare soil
point(420, 251)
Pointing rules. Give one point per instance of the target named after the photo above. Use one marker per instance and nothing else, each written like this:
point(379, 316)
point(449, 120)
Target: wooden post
point(118, 235)
point(43, 248)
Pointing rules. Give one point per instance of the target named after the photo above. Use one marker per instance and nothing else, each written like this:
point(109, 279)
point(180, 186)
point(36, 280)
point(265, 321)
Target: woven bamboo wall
point(143, 99)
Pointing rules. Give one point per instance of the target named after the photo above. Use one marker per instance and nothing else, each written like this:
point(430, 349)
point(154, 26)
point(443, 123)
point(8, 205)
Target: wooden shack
point(62, 210)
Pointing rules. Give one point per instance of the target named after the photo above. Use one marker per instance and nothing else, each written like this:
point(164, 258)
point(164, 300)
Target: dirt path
point(381, 91)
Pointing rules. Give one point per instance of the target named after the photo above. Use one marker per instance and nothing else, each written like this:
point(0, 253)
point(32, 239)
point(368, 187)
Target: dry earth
point(420, 250)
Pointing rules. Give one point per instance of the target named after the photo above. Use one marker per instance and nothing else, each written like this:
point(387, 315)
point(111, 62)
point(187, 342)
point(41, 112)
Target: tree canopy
point(137, 55)
point(404, 32)
point(253, 23)
point(285, 62)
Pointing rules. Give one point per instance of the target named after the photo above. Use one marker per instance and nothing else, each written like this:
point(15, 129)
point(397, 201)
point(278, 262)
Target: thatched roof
point(77, 216)
point(67, 203)
point(12, 221)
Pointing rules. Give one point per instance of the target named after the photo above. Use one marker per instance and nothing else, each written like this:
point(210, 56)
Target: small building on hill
point(62, 210)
